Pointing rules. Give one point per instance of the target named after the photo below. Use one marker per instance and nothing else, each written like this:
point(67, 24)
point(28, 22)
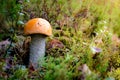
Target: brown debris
point(55, 44)
point(84, 69)
point(115, 40)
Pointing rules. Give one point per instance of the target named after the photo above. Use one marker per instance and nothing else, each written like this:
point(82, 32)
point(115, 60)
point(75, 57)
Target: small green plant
point(20, 73)
point(11, 12)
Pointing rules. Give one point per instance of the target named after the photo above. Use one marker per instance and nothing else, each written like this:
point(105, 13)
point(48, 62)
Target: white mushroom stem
point(37, 50)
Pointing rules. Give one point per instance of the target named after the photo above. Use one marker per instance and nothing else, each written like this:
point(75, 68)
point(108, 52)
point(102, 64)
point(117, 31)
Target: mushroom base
point(37, 50)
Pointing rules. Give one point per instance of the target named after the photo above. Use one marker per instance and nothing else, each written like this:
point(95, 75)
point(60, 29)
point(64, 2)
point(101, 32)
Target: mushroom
point(38, 29)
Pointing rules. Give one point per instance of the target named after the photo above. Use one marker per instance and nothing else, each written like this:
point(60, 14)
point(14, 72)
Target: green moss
point(115, 73)
point(80, 25)
point(115, 60)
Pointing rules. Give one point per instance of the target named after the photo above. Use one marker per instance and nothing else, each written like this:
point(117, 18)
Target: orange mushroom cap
point(38, 26)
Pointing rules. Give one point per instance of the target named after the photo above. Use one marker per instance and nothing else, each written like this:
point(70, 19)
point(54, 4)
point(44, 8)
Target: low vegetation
point(85, 44)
